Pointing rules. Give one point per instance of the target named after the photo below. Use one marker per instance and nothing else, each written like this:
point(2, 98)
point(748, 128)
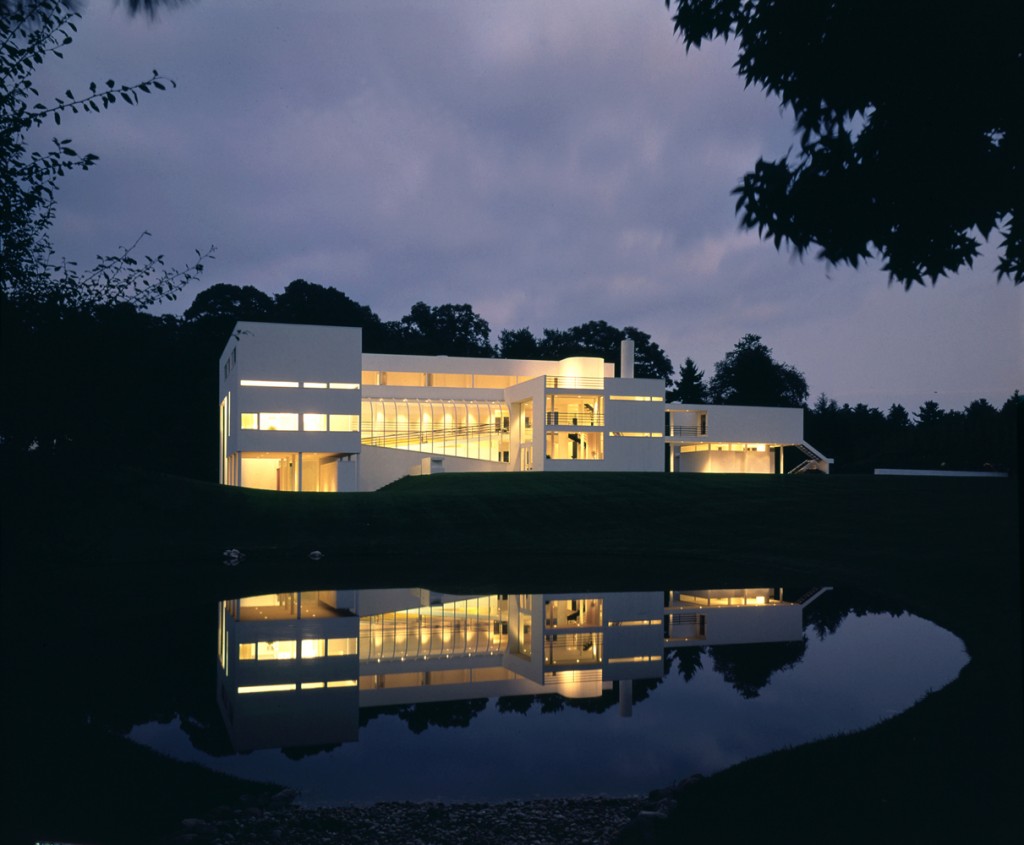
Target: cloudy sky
point(548, 163)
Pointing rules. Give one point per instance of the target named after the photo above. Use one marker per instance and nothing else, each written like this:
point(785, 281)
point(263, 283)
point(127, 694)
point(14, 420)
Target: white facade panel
point(748, 424)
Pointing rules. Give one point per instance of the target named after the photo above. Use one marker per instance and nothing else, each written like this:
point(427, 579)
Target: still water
point(353, 697)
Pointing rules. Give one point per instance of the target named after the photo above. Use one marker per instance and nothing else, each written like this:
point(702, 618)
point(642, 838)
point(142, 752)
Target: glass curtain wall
point(445, 427)
point(470, 626)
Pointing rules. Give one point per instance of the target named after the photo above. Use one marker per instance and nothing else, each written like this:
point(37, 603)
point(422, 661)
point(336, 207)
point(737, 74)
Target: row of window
point(286, 421)
point(314, 385)
point(305, 649)
point(292, 687)
point(393, 378)
point(457, 380)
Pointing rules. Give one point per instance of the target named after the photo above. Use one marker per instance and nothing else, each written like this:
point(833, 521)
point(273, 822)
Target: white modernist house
point(303, 408)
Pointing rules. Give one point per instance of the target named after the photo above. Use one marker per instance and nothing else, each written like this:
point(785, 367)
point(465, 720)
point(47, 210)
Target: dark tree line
point(861, 439)
point(426, 330)
point(115, 384)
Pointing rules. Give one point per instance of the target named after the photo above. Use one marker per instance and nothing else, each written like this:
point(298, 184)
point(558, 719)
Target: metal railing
point(393, 435)
point(686, 431)
point(574, 382)
point(583, 418)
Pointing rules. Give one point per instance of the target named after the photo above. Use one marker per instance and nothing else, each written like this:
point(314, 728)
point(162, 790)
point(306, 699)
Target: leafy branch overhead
point(30, 35)
point(909, 124)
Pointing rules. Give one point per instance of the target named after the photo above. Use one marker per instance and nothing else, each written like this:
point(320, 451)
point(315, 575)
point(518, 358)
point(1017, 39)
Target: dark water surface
point(411, 695)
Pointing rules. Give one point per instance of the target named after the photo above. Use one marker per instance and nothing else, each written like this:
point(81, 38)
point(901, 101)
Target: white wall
point(749, 424)
point(280, 352)
point(771, 623)
point(633, 454)
point(379, 466)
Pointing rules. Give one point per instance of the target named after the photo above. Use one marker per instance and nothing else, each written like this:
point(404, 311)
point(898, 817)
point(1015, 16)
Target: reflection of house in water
point(295, 668)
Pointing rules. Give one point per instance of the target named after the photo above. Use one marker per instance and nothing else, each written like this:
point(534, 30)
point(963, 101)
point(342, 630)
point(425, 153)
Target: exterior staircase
point(814, 462)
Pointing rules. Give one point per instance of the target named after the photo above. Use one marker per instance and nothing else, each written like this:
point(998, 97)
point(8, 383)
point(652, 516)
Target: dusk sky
point(547, 163)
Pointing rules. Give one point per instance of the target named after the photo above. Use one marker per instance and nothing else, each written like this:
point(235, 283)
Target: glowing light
point(317, 385)
point(273, 421)
point(312, 648)
point(266, 688)
point(263, 383)
point(314, 422)
point(344, 422)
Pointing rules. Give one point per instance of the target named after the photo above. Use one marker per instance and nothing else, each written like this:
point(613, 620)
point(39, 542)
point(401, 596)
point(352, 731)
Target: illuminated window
point(247, 651)
point(342, 646)
point(278, 650)
point(314, 422)
point(316, 385)
point(480, 380)
point(276, 421)
point(371, 377)
point(575, 446)
point(266, 688)
point(336, 684)
point(640, 658)
point(343, 385)
point(344, 422)
point(312, 648)
point(395, 378)
point(259, 383)
point(312, 685)
point(450, 380)
point(250, 422)
point(635, 398)
point(635, 433)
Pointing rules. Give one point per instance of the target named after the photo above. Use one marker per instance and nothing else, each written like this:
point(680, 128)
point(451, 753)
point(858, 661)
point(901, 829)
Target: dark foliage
point(749, 668)
point(861, 439)
point(32, 34)
point(137, 389)
point(597, 338)
point(749, 375)
point(445, 330)
point(909, 127)
point(518, 343)
point(690, 387)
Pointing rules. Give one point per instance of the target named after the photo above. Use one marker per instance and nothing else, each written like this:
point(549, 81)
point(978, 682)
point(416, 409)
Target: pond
point(357, 696)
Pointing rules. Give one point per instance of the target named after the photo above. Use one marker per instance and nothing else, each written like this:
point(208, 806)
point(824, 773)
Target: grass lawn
point(107, 553)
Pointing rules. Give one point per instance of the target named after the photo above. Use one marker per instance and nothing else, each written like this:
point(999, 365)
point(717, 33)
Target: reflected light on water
point(596, 693)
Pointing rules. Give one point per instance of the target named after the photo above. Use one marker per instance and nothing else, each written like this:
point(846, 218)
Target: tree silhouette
point(230, 302)
point(909, 124)
point(446, 330)
point(749, 668)
point(599, 339)
point(442, 714)
point(690, 387)
point(30, 35)
point(518, 343)
point(749, 375)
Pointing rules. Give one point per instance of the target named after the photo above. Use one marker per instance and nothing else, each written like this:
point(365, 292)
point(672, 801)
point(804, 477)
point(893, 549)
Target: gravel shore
point(596, 821)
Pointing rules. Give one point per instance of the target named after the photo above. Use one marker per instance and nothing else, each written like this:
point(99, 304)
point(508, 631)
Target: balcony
point(574, 382)
point(574, 418)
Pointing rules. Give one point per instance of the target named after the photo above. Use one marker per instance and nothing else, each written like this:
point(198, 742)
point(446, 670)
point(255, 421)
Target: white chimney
point(626, 359)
